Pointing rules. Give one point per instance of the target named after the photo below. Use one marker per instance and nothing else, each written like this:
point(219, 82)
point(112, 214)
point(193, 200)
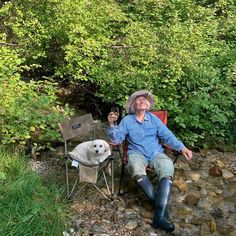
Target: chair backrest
point(162, 115)
point(79, 125)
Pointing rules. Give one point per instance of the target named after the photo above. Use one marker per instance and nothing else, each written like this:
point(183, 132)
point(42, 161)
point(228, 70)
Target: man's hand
point(187, 153)
point(112, 117)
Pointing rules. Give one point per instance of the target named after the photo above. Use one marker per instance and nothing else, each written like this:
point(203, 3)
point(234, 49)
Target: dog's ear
point(90, 150)
point(106, 145)
point(91, 147)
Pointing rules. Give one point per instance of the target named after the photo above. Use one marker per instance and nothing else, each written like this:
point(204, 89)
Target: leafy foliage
point(182, 51)
point(29, 110)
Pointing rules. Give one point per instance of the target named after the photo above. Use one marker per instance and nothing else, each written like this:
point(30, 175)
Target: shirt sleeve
point(167, 136)
point(117, 133)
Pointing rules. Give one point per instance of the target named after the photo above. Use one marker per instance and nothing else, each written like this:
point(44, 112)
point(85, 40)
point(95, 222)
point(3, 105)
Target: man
point(144, 131)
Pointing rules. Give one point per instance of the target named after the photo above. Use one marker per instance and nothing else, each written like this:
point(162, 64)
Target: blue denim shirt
point(144, 137)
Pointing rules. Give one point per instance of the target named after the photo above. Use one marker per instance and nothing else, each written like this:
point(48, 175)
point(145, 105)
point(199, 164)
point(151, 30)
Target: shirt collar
point(146, 118)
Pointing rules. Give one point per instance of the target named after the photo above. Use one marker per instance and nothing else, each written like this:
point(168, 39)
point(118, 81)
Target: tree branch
point(8, 44)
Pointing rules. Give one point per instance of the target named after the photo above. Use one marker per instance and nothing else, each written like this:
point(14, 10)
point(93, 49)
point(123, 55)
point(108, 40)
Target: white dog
point(91, 152)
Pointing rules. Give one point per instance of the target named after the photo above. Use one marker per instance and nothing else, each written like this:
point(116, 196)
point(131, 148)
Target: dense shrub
point(182, 51)
point(28, 110)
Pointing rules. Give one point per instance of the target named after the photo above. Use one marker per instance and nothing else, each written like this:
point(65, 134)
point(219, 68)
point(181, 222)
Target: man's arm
point(169, 138)
point(116, 133)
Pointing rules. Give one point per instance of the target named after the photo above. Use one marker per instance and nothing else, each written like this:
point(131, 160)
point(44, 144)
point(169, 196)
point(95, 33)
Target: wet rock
point(186, 229)
point(181, 184)
point(131, 225)
point(146, 213)
point(203, 173)
point(227, 174)
point(217, 213)
point(204, 230)
point(195, 166)
point(215, 171)
point(203, 192)
point(137, 232)
point(220, 164)
point(195, 176)
point(192, 199)
point(65, 233)
point(130, 214)
point(233, 168)
point(153, 234)
point(97, 228)
point(118, 217)
point(233, 209)
point(206, 204)
point(206, 223)
point(183, 211)
point(226, 229)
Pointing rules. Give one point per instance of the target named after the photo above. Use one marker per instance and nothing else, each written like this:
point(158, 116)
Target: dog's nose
point(96, 151)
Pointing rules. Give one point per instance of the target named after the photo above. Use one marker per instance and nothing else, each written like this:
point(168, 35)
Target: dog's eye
point(94, 145)
point(100, 146)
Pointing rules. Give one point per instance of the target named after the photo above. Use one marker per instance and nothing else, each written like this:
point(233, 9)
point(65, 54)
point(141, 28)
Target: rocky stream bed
point(203, 200)
point(202, 203)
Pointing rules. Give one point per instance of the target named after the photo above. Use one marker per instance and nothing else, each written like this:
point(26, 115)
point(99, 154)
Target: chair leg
point(101, 192)
point(112, 177)
point(72, 190)
point(105, 179)
point(110, 189)
point(176, 158)
point(120, 154)
point(121, 184)
point(67, 179)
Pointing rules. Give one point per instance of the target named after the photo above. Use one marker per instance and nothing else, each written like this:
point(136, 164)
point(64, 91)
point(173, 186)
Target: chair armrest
point(124, 148)
point(174, 153)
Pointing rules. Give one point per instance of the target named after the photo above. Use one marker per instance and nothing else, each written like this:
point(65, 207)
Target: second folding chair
point(83, 127)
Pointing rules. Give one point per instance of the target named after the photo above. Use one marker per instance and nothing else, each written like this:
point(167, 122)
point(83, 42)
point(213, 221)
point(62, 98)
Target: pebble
point(227, 174)
point(131, 225)
point(215, 171)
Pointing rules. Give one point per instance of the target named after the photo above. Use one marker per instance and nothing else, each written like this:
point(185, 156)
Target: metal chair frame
point(75, 127)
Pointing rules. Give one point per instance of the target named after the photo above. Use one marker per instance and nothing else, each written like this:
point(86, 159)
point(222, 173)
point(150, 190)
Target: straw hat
point(136, 94)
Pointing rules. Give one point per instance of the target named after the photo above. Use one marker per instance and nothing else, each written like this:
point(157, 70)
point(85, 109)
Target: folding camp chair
point(80, 127)
point(162, 115)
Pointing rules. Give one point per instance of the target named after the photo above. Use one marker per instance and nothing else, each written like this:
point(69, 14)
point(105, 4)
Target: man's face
point(140, 103)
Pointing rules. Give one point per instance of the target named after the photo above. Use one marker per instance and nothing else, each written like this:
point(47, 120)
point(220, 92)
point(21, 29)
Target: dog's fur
point(91, 152)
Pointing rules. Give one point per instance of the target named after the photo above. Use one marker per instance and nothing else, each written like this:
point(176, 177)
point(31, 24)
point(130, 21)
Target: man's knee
point(140, 177)
point(166, 170)
point(136, 165)
point(137, 172)
point(166, 174)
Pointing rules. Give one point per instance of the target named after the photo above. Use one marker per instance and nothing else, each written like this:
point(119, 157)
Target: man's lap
point(162, 164)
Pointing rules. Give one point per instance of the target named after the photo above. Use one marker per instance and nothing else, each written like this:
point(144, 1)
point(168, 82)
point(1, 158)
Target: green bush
point(29, 111)
point(182, 51)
